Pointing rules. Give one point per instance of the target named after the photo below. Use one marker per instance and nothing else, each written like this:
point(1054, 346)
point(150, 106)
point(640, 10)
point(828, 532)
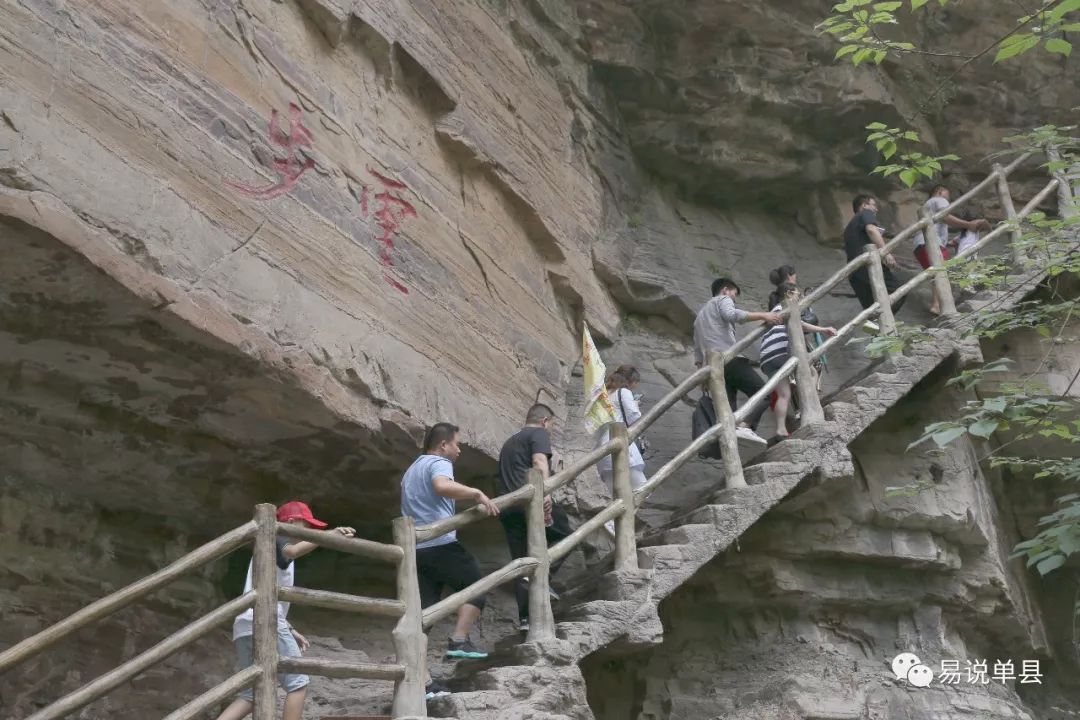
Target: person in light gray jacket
point(714, 330)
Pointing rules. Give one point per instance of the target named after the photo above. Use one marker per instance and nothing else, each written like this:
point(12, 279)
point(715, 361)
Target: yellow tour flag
point(598, 408)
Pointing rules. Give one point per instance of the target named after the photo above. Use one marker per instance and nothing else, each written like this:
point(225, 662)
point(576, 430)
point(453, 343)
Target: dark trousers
point(860, 283)
point(448, 565)
point(740, 376)
point(517, 538)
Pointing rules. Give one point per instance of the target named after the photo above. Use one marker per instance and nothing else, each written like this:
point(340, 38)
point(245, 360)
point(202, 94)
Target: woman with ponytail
point(781, 275)
point(775, 351)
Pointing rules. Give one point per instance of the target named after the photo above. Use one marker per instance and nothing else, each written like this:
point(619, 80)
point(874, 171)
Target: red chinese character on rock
point(288, 169)
point(391, 212)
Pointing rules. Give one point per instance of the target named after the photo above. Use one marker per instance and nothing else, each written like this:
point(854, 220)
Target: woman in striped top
point(775, 351)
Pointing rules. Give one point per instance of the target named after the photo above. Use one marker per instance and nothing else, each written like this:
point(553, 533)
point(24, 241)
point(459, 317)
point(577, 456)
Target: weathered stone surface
point(739, 102)
point(173, 351)
point(793, 626)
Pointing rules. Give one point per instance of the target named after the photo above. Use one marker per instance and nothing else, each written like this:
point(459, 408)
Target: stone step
point(713, 514)
point(588, 610)
point(660, 558)
point(481, 705)
point(678, 535)
point(576, 632)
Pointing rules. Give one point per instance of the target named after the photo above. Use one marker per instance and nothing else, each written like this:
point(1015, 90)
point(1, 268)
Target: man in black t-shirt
point(528, 448)
point(860, 232)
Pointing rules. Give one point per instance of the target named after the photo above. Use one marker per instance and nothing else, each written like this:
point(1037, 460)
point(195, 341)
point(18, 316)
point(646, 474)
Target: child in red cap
point(290, 642)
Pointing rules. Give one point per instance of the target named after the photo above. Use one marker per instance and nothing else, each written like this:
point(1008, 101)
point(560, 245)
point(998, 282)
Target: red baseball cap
point(297, 510)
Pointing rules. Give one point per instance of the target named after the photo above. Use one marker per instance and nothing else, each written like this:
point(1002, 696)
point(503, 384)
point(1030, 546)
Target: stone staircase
point(617, 610)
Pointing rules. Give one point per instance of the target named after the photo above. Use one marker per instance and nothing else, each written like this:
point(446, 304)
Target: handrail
point(710, 435)
point(409, 671)
point(521, 496)
point(222, 691)
point(983, 242)
point(342, 601)
point(575, 468)
point(96, 688)
point(339, 669)
point(472, 514)
point(337, 541)
point(449, 604)
point(680, 391)
point(571, 541)
point(923, 223)
point(109, 604)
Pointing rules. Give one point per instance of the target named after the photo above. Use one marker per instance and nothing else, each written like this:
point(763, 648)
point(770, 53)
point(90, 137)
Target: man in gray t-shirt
point(714, 331)
point(938, 201)
point(428, 494)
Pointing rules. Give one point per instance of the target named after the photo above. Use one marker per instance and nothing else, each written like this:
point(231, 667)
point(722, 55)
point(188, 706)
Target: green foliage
point(1040, 316)
point(893, 492)
point(1015, 410)
point(1057, 540)
point(1047, 26)
point(1022, 410)
point(968, 379)
point(885, 344)
point(858, 25)
point(912, 165)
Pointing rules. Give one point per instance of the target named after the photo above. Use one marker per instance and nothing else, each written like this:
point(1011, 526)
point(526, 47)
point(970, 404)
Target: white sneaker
point(610, 527)
point(745, 433)
point(871, 328)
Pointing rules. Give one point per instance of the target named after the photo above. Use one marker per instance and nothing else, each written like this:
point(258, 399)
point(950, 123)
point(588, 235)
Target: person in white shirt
point(967, 238)
point(938, 201)
point(620, 386)
point(290, 642)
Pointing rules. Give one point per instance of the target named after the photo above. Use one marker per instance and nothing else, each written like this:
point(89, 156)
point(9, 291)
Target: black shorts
point(446, 566)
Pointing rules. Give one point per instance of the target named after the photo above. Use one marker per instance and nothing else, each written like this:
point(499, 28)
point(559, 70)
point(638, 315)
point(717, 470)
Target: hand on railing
point(487, 504)
point(772, 318)
point(890, 261)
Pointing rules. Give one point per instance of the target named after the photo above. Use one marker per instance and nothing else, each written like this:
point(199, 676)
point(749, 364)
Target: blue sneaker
point(435, 689)
point(464, 649)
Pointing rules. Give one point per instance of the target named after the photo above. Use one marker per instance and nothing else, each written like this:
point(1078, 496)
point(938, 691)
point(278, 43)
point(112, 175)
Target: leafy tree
point(1047, 246)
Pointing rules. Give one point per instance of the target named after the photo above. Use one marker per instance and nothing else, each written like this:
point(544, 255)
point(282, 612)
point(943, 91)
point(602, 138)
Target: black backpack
point(703, 419)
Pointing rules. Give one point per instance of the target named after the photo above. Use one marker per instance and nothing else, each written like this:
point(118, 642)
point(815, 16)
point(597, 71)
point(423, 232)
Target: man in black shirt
point(529, 448)
point(860, 232)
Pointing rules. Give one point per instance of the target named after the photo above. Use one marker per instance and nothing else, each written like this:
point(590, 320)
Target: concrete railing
point(409, 672)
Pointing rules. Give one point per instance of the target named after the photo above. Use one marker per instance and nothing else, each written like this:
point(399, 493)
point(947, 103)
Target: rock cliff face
point(251, 248)
point(801, 619)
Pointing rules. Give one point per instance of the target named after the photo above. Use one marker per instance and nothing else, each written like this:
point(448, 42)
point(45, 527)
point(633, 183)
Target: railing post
point(886, 320)
point(1064, 190)
point(1005, 198)
point(541, 620)
point(264, 627)
point(937, 261)
point(410, 643)
point(729, 441)
point(625, 542)
point(809, 402)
